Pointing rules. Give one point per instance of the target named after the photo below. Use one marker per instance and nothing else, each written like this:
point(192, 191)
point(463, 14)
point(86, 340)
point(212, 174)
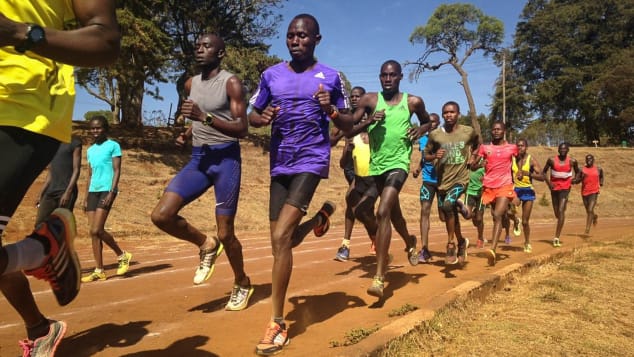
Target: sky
point(359, 35)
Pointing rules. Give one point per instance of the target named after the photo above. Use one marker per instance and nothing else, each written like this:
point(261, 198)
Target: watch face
point(36, 34)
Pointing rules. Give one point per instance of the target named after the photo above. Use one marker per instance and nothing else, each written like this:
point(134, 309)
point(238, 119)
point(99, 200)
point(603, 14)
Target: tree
point(248, 63)
point(145, 58)
point(145, 54)
point(614, 88)
point(157, 47)
point(107, 114)
point(549, 133)
point(450, 29)
point(564, 51)
point(242, 24)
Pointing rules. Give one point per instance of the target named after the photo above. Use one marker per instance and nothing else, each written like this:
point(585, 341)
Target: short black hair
point(103, 120)
point(359, 89)
point(499, 122)
point(393, 63)
point(451, 102)
point(309, 17)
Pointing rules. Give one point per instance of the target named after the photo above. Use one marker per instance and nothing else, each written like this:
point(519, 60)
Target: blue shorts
point(525, 193)
point(218, 166)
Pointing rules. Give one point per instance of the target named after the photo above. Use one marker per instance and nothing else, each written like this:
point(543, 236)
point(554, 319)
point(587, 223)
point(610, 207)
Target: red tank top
point(590, 183)
point(561, 174)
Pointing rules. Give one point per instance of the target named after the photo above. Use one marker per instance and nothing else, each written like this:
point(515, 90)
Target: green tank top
point(390, 148)
point(474, 188)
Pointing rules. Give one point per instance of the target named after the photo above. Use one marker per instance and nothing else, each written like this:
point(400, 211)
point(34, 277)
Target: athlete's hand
point(190, 110)
point(416, 172)
point(323, 97)
point(378, 115)
point(440, 154)
point(64, 200)
point(107, 201)
point(269, 114)
point(414, 133)
point(180, 141)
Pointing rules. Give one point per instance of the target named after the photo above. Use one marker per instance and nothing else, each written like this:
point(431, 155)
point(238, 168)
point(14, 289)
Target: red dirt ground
point(157, 311)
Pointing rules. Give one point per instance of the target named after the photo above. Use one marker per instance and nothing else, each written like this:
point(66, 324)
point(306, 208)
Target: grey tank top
point(211, 97)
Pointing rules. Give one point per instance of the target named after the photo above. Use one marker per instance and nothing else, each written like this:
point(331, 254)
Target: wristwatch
point(209, 119)
point(34, 36)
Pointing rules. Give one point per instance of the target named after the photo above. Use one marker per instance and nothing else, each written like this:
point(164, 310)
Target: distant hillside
point(150, 160)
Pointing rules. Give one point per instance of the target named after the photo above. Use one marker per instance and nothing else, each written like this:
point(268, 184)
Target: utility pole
point(504, 91)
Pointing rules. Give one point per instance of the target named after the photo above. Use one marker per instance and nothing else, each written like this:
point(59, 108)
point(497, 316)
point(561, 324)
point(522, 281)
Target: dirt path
point(157, 311)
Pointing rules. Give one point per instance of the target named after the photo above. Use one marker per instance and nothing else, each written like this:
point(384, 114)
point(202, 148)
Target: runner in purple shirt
point(299, 134)
point(298, 99)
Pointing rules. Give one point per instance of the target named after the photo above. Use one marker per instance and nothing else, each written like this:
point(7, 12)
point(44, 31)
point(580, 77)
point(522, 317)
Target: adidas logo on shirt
point(320, 75)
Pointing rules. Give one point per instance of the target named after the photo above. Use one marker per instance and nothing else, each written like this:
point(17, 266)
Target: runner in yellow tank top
point(525, 169)
point(39, 44)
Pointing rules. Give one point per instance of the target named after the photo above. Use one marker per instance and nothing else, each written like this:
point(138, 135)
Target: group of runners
point(298, 99)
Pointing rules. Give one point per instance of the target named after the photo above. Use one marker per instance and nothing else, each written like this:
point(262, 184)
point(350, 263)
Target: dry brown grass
point(578, 306)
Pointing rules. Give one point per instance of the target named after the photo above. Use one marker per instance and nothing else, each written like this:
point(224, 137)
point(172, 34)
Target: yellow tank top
point(525, 182)
point(37, 93)
point(361, 156)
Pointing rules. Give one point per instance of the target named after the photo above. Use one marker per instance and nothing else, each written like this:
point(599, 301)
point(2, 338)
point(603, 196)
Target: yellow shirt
point(37, 93)
point(361, 155)
point(526, 167)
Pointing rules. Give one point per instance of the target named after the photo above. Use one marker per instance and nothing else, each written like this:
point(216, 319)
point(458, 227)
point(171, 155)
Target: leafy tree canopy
point(453, 28)
point(564, 54)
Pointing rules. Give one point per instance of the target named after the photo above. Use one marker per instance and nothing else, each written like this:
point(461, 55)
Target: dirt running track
point(157, 311)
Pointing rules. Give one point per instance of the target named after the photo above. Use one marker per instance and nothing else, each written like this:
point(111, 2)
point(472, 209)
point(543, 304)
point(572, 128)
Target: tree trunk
point(132, 103)
point(472, 109)
point(116, 105)
point(180, 89)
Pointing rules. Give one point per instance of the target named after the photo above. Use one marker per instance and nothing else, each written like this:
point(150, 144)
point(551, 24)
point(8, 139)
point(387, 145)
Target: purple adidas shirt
point(299, 133)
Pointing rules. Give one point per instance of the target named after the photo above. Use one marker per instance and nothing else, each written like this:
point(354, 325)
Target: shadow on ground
point(188, 346)
point(89, 342)
point(311, 309)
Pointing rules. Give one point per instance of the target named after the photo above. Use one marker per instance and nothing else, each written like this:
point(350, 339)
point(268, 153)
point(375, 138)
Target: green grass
point(354, 336)
point(403, 310)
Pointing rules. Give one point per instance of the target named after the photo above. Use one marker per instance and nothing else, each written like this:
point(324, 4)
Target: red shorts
point(490, 194)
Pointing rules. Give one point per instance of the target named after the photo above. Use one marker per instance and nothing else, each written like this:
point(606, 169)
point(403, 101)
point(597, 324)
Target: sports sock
point(26, 254)
point(346, 243)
